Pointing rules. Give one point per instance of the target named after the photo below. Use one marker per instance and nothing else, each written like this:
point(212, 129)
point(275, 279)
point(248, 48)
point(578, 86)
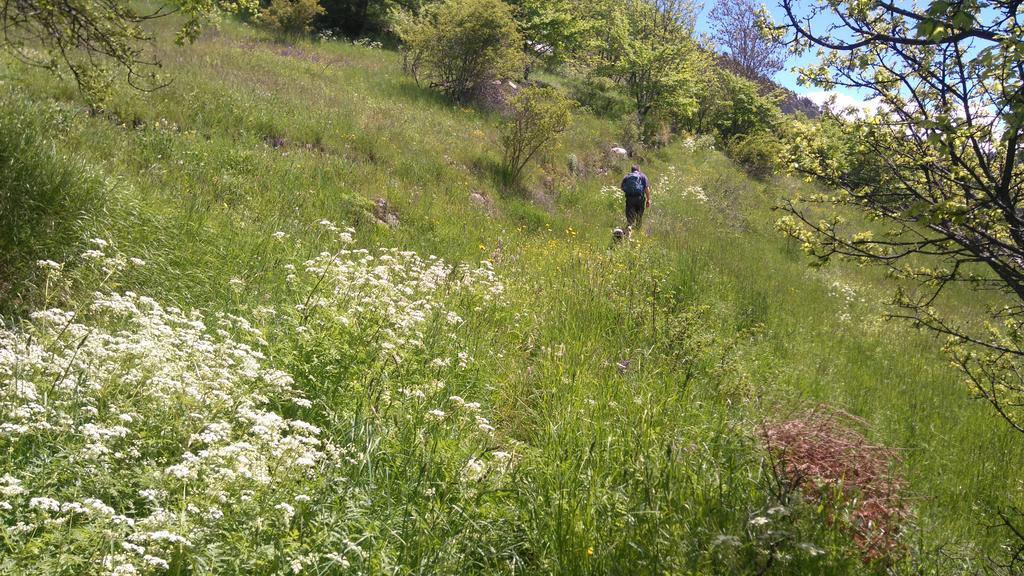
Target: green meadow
point(587, 407)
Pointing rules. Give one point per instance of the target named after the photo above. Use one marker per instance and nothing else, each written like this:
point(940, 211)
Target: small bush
point(290, 18)
point(631, 135)
point(759, 153)
point(539, 115)
point(458, 45)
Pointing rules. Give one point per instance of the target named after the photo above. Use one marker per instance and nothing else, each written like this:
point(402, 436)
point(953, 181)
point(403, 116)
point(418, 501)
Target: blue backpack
point(633, 184)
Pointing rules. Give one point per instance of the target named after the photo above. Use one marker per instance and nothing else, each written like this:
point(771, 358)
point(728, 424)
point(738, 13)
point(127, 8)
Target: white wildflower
point(178, 471)
point(287, 510)
point(45, 504)
point(156, 562)
point(337, 559)
point(474, 469)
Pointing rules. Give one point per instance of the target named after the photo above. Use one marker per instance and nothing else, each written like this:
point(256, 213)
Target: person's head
point(635, 168)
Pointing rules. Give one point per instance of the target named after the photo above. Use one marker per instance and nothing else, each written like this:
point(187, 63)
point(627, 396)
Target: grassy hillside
point(542, 401)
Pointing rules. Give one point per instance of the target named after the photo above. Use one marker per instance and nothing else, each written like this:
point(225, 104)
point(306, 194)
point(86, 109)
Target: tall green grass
point(655, 468)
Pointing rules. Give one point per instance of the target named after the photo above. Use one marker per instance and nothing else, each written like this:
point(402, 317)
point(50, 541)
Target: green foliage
point(742, 110)
point(538, 115)
point(458, 45)
point(289, 18)
point(628, 383)
point(94, 39)
point(356, 18)
point(759, 153)
point(47, 200)
point(554, 31)
point(936, 168)
point(651, 54)
point(601, 96)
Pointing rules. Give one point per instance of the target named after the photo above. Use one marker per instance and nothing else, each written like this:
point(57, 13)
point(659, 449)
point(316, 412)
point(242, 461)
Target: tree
point(649, 50)
point(936, 170)
point(458, 45)
point(92, 38)
point(750, 53)
point(554, 31)
point(538, 116)
point(741, 109)
point(291, 17)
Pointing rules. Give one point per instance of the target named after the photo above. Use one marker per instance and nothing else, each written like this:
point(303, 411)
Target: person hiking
point(638, 197)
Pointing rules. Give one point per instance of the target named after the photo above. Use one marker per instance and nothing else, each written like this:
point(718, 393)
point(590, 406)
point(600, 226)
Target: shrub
point(631, 135)
point(290, 18)
point(759, 153)
point(538, 116)
point(458, 45)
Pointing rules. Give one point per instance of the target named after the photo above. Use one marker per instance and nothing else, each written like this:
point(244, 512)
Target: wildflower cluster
point(668, 183)
point(165, 439)
point(368, 43)
point(704, 142)
point(126, 388)
point(390, 296)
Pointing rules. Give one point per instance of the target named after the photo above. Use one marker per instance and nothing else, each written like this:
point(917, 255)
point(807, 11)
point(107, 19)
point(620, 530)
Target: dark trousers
point(635, 210)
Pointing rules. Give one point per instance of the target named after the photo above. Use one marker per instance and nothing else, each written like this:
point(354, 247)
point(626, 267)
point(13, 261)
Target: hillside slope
point(519, 395)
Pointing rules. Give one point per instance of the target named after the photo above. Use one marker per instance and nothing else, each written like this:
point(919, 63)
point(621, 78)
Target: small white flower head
point(483, 424)
point(287, 510)
point(279, 235)
point(133, 548)
point(44, 504)
point(179, 471)
point(726, 540)
point(474, 470)
point(156, 562)
point(436, 414)
point(759, 521)
point(811, 549)
point(124, 570)
point(49, 265)
point(338, 559)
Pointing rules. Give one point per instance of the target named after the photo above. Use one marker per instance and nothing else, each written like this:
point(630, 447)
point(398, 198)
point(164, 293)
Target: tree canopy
point(749, 52)
point(650, 51)
point(936, 169)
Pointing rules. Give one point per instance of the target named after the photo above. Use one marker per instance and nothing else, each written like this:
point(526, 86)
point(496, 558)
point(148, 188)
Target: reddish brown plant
point(824, 455)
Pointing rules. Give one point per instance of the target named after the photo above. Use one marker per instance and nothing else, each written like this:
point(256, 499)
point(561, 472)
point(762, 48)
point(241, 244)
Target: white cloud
point(843, 103)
